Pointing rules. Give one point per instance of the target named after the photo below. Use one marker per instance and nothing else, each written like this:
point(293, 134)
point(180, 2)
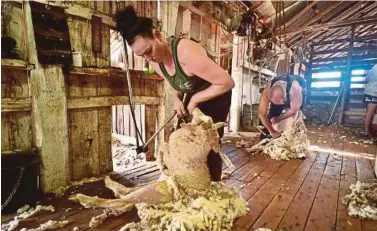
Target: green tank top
point(180, 81)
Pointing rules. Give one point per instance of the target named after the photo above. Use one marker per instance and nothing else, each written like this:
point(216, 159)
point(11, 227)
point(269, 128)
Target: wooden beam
point(81, 11)
point(189, 6)
point(51, 33)
point(346, 79)
point(49, 115)
point(113, 72)
point(315, 18)
point(354, 58)
point(326, 79)
point(357, 63)
point(17, 64)
point(331, 42)
point(357, 49)
point(299, 14)
point(257, 68)
point(354, 113)
point(322, 98)
point(308, 73)
point(317, 60)
point(334, 18)
point(330, 51)
point(105, 101)
point(15, 105)
point(331, 25)
point(321, 89)
point(351, 10)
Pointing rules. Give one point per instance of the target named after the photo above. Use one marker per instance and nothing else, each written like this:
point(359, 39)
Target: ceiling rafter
point(326, 35)
point(299, 14)
point(317, 17)
point(352, 8)
point(330, 25)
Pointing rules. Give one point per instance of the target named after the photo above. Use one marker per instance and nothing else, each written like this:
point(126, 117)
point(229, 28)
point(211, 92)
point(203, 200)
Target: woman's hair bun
point(130, 25)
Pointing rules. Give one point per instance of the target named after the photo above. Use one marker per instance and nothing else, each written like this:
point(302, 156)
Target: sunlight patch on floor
point(341, 152)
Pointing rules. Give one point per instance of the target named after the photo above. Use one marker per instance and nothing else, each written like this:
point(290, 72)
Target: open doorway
point(124, 132)
point(123, 137)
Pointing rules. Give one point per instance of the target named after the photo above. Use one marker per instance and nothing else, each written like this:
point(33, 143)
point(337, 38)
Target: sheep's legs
point(153, 194)
point(119, 189)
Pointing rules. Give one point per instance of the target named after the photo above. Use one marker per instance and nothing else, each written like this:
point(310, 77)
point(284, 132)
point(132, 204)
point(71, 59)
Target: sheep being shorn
point(184, 197)
point(293, 142)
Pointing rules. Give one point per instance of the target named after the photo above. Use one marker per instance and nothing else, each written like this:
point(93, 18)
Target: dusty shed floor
point(292, 195)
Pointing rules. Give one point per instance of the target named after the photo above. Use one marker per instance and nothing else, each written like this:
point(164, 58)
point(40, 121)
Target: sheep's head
point(203, 125)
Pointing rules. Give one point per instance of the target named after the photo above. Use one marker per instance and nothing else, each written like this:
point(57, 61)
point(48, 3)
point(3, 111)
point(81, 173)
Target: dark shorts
point(370, 99)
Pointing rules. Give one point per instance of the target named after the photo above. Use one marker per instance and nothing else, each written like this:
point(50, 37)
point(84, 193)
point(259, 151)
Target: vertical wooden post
point(49, 115)
point(347, 78)
point(150, 127)
point(308, 74)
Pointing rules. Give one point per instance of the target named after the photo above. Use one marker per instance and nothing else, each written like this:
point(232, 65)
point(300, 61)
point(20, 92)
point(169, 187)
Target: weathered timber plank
point(272, 215)
point(83, 134)
point(14, 83)
point(15, 104)
point(104, 143)
point(265, 194)
point(365, 174)
point(260, 177)
point(256, 170)
point(82, 28)
point(348, 176)
point(150, 128)
point(5, 134)
point(81, 220)
point(239, 160)
point(253, 162)
point(16, 131)
point(365, 171)
point(323, 213)
point(297, 213)
point(104, 101)
point(79, 86)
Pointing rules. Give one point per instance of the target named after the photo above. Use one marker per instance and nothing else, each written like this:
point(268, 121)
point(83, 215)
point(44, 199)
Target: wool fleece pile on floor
point(184, 198)
point(293, 142)
point(362, 200)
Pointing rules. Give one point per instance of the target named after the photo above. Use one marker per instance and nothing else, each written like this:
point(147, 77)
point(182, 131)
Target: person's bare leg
point(368, 117)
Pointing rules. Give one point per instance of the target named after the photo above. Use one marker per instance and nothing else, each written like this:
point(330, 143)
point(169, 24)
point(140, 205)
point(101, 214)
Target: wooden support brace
point(308, 74)
point(346, 79)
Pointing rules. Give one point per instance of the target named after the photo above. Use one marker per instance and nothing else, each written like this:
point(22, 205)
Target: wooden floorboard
point(262, 174)
point(275, 211)
point(348, 177)
point(259, 201)
point(292, 195)
point(323, 213)
point(298, 211)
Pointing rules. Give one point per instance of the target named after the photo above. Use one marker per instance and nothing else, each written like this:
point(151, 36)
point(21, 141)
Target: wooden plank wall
point(123, 123)
point(15, 122)
point(362, 53)
point(15, 27)
point(90, 125)
point(90, 93)
point(90, 142)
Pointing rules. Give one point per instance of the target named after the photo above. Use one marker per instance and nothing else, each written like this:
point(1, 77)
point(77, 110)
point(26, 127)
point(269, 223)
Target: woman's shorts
point(370, 99)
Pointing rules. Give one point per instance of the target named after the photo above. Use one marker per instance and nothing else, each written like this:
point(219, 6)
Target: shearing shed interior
point(189, 115)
